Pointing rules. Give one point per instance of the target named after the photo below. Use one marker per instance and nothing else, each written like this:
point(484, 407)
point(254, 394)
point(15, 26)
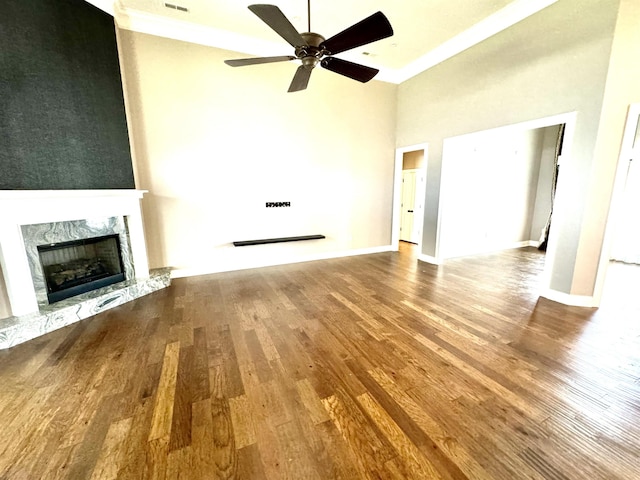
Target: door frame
point(631, 124)
point(397, 192)
point(570, 120)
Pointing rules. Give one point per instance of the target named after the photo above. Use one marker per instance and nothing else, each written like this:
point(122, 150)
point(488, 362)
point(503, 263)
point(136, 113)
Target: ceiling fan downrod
point(311, 53)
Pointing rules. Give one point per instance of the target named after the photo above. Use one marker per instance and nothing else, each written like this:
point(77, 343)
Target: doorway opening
point(626, 226)
point(511, 222)
point(498, 189)
point(620, 261)
point(409, 196)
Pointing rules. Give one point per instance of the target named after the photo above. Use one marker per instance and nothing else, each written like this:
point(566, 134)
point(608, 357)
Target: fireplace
point(65, 241)
point(76, 256)
point(35, 218)
point(79, 266)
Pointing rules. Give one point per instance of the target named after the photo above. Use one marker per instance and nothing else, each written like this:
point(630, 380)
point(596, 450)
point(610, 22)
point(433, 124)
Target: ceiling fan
point(312, 48)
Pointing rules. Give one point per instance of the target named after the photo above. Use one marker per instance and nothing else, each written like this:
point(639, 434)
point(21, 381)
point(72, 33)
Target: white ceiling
point(426, 32)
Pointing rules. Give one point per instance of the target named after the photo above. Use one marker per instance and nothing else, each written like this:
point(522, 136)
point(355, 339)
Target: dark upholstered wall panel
point(62, 119)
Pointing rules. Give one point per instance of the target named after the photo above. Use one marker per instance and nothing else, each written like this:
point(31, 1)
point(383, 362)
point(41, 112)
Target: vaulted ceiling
point(426, 32)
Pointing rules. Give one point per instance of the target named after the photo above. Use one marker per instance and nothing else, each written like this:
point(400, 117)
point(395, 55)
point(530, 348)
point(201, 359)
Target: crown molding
point(143, 22)
point(504, 18)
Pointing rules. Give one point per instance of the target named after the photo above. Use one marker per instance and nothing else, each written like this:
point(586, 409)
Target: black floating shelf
point(245, 243)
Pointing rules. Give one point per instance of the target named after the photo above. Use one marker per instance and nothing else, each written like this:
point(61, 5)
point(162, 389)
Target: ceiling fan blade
point(373, 28)
point(273, 16)
point(352, 70)
point(241, 62)
point(300, 79)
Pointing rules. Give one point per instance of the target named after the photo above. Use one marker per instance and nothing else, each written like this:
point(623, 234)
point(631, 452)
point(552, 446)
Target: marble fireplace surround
point(29, 216)
point(56, 232)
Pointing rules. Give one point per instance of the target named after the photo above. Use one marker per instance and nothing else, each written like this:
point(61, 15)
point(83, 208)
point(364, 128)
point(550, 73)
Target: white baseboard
point(271, 262)
point(440, 261)
point(429, 259)
point(568, 299)
point(524, 243)
point(497, 248)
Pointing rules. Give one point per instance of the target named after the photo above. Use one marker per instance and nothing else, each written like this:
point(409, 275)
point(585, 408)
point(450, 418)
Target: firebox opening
point(79, 266)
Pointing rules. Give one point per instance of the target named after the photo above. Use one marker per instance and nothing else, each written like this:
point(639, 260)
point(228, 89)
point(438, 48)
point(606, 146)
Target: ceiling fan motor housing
point(311, 53)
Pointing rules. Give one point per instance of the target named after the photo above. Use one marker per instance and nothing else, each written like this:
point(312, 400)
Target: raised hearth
point(16, 330)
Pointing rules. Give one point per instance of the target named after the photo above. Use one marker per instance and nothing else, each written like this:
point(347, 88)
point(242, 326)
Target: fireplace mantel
point(26, 207)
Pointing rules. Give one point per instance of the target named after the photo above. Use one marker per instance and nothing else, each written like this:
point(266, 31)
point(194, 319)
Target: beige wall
point(213, 144)
point(551, 63)
point(544, 189)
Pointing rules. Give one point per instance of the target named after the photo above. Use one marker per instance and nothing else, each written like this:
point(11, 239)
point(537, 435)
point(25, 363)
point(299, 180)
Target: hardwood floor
point(375, 366)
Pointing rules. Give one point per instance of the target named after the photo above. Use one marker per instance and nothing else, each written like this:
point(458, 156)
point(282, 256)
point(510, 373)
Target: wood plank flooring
point(369, 367)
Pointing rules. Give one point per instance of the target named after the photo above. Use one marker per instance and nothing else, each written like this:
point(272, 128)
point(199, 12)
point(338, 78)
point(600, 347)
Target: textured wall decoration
point(62, 117)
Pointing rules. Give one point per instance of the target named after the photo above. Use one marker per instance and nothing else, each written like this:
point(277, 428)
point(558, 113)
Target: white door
point(419, 196)
point(407, 217)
